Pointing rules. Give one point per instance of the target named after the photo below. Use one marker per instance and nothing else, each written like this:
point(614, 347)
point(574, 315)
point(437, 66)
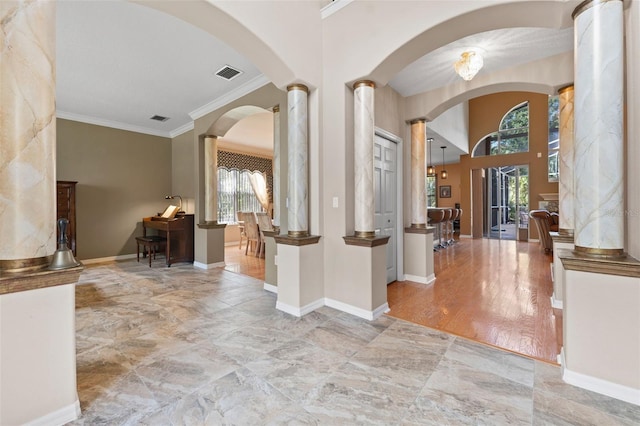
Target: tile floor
point(182, 346)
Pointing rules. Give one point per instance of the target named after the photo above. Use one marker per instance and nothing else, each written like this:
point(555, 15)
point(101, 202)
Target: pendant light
point(443, 173)
point(431, 171)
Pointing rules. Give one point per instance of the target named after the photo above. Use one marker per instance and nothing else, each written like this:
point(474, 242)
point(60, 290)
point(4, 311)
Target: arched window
point(512, 135)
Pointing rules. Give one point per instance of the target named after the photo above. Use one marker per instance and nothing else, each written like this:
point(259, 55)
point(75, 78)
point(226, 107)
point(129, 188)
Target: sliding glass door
point(507, 196)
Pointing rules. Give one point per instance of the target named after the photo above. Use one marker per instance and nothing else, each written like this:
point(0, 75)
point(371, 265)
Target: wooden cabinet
point(66, 202)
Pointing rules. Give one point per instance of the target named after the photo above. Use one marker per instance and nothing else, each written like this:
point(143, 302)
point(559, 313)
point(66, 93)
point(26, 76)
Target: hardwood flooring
point(490, 291)
point(236, 261)
point(495, 292)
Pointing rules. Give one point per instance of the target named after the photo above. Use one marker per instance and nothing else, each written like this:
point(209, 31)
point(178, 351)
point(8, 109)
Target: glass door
point(507, 208)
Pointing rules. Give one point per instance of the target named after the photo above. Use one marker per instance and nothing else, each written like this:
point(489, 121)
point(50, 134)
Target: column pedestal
point(560, 242)
point(300, 283)
point(270, 261)
point(418, 255)
point(209, 250)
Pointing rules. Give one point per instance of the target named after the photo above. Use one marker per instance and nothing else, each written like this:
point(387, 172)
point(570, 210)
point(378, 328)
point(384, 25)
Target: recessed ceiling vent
point(228, 73)
point(159, 118)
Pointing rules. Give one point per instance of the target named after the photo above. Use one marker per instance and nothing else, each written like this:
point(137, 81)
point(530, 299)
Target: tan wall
point(453, 180)
point(122, 177)
point(182, 174)
point(485, 114)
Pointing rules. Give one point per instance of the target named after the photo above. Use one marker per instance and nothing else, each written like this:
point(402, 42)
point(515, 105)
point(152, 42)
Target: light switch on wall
point(335, 202)
point(539, 155)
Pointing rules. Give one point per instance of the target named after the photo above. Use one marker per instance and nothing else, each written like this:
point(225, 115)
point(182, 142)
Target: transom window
point(512, 135)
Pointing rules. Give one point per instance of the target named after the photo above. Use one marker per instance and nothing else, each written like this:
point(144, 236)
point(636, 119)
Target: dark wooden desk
point(179, 235)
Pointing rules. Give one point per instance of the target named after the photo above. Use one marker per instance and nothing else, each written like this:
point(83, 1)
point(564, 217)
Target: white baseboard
point(422, 280)
point(208, 266)
point(359, 312)
point(555, 303)
point(59, 417)
point(298, 312)
point(232, 243)
point(109, 259)
point(465, 236)
point(270, 287)
point(603, 387)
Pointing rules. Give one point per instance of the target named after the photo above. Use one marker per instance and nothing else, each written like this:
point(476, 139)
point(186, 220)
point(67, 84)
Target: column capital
point(587, 4)
point(565, 89)
point(361, 83)
point(418, 120)
point(298, 86)
point(276, 108)
point(210, 137)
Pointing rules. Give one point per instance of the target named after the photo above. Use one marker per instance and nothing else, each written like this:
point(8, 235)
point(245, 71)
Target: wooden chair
point(264, 224)
point(251, 230)
point(545, 223)
point(240, 220)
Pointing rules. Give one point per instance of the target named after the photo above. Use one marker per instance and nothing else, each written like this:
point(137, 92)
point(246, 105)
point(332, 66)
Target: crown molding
point(333, 7)
point(182, 129)
point(109, 123)
point(231, 96)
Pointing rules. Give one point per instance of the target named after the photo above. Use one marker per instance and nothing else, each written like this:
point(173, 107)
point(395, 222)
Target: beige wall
point(122, 177)
point(182, 175)
point(485, 114)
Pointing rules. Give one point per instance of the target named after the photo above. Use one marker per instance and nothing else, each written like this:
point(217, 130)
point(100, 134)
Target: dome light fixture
point(469, 64)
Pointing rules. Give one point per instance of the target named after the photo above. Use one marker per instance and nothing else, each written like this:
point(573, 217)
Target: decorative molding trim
point(555, 303)
point(19, 282)
point(299, 312)
point(111, 124)
point(366, 241)
point(271, 288)
point(333, 7)
point(182, 129)
point(416, 230)
point(212, 225)
point(603, 387)
point(296, 241)
point(421, 280)
point(359, 312)
point(624, 266)
point(200, 265)
point(233, 95)
point(61, 416)
point(561, 238)
point(109, 259)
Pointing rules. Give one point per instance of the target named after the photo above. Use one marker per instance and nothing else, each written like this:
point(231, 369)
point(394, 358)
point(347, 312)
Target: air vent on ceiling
point(228, 73)
point(159, 118)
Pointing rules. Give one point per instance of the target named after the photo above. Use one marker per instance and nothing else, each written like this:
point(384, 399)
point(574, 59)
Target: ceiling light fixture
point(443, 173)
point(469, 64)
point(431, 171)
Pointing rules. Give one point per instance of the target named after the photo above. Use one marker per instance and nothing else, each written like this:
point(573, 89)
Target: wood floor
point(490, 291)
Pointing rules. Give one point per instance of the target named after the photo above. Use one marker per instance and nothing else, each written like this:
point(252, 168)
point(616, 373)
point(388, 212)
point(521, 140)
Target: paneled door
point(384, 176)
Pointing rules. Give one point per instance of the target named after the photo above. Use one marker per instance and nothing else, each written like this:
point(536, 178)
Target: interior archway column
point(211, 179)
point(601, 283)
point(299, 276)
point(37, 305)
point(276, 166)
point(418, 238)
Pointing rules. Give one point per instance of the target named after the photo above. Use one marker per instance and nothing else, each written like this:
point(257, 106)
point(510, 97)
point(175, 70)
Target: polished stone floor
point(182, 346)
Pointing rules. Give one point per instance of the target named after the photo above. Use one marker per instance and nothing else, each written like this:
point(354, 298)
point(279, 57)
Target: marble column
point(418, 173)
point(297, 161)
point(211, 179)
point(28, 132)
point(598, 155)
point(566, 184)
point(364, 133)
point(276, 165)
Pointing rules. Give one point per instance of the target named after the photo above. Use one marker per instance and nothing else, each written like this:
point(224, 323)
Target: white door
point(384, 176)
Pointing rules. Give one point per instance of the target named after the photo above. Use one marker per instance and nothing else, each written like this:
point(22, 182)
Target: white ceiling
point(119, 63)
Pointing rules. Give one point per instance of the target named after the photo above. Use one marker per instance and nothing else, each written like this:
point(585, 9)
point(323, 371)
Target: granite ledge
point(626, 266)
point(352, 240)
point(18, 282)
point(212, 225)
point(416, 230)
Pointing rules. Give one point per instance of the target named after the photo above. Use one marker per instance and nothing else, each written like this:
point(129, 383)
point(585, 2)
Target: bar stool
point(435, 218)
point(446, 221)
point(454, 216)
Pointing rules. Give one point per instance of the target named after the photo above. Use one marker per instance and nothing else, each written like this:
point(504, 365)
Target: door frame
point(399, 199)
